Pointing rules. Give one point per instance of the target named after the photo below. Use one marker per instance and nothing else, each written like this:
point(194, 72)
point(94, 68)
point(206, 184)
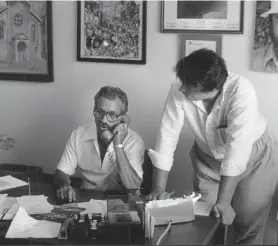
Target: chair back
point(146, 185)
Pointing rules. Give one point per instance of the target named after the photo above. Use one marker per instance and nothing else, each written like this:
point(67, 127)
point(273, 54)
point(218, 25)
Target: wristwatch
point(119, 146)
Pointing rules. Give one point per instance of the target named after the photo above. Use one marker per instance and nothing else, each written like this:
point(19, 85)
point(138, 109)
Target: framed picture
point(111, 31)
point(192, 42)
point(265, 46)
point(216, 17)
point(26, 41)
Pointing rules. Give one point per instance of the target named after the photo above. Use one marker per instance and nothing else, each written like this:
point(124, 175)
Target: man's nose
point(103, 119)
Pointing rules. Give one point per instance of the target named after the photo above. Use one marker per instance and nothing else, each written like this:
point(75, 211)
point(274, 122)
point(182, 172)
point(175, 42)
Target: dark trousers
point(253, 196)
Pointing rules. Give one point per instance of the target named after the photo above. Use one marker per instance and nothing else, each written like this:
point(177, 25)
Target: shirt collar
point(90, 134)
point(270, 54)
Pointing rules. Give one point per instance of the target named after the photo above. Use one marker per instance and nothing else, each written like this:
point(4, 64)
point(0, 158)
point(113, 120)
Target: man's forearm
point(227, 188)
point(61, 179)
point(160, 178)
point(129, 177)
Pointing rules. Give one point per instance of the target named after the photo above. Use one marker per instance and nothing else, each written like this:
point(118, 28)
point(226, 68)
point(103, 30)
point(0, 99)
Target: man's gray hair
point(111, 93)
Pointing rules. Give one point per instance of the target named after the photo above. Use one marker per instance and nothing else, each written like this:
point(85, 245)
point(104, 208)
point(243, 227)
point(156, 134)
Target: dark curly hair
point(203, 68)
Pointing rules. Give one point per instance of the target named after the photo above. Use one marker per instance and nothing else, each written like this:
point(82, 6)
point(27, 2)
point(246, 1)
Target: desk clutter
point(127, 218)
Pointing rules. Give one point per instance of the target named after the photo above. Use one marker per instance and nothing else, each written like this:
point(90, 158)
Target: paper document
point(35, 204)
point(94, 206)
point(9, 182)
point(23, 226)
point(12, 205)
point(5, 206)
point(202, 208)
point(2, 198)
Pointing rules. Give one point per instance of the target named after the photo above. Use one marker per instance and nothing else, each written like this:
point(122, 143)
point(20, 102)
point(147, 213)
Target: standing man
point(109, 154)
point(233, 154)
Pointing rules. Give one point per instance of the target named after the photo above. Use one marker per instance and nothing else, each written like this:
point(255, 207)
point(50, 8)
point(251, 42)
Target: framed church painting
point(26, 41)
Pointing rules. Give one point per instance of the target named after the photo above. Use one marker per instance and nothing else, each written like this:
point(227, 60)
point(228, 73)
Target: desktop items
point(123, 222)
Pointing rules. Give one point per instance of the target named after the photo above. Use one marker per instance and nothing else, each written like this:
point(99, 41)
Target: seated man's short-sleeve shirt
point(82, 151)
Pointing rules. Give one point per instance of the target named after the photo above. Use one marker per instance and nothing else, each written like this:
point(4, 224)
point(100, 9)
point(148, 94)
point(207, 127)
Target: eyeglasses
point(111, 116)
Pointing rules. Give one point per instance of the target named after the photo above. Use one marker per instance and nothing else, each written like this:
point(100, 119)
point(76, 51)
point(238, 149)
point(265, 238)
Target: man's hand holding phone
point(66, 192)
point(120, 132)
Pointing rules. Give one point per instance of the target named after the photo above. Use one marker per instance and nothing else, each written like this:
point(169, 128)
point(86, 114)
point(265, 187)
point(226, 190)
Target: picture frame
point(192, 42)
point(112, 31)
point(26, 37)
point(264, 55)
point(212, 17)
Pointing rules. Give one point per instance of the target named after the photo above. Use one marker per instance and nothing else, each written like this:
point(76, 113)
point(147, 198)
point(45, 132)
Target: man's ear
point(126, 119)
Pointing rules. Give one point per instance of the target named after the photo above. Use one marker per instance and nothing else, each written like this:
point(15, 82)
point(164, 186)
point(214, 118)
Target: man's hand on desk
point(158, 194)
point(66, 192)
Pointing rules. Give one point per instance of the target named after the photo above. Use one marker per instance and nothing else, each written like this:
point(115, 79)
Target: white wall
point(42, 116)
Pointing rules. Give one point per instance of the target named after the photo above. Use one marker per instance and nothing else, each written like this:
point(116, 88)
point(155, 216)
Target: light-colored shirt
point(265, 59)
point(227, 133)
point(82, 150)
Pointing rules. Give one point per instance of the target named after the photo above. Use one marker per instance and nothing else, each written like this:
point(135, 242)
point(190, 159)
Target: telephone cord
point(164, 233)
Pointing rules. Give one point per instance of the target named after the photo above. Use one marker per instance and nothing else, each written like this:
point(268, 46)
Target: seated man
point(109, 154)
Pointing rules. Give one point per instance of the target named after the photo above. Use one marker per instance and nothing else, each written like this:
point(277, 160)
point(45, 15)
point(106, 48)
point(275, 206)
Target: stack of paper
point(9, 182)
point(35, 204)
point(94, 206)
point(23, 226)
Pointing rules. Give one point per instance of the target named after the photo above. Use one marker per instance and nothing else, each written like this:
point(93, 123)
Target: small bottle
point(94, 229)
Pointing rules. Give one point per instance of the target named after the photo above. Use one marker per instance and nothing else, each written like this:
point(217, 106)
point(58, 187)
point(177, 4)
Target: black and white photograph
point(112, 31)
point(26, 41)
point(202, 16)
point(265, 48)
point(207, 10)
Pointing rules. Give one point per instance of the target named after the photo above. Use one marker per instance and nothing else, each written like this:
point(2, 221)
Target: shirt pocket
point(221, 133)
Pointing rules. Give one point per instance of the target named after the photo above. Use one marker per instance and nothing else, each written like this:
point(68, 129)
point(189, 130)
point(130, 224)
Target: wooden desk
point(200, 231)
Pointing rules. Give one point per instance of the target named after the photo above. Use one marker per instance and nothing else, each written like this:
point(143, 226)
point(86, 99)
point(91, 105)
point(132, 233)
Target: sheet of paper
point(94, 206)
point(23, 226)
point(9, 182)
point(6, 203)
point(2, 198)
point(35, 204)
point(10, 202)
point(202, 208)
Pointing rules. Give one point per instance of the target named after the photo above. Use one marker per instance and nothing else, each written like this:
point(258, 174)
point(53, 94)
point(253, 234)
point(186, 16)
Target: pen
point(171, 193)
point(29, 186)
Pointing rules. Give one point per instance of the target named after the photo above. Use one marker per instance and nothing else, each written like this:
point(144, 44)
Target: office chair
point(147, 166)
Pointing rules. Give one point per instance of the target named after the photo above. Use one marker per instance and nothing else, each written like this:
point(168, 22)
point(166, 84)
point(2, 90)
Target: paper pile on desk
point(94, 206)
point(9, 182)
point(35, 204)
point(23, 226)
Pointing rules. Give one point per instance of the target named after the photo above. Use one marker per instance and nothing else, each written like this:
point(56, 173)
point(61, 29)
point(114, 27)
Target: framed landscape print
point(192, 42)
point(111, 31)
point(26, 52)
point(216, 17)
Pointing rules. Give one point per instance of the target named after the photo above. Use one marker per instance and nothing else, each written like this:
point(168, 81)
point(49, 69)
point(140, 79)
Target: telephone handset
point(107, 135)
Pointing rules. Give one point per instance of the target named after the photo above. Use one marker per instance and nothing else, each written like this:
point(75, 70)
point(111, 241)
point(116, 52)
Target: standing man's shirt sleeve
point(68, 162)
point(242, 118)
point(135, 154)
point(168, 136)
